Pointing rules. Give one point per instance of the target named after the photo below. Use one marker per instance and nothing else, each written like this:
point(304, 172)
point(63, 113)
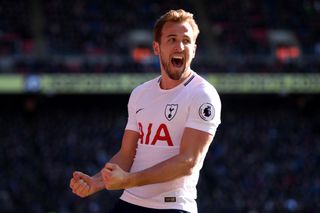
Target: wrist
point(131, 180)
point(99, 182)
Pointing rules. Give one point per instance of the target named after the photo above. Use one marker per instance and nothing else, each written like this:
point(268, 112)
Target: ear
point(156, 48)
point(194, 50)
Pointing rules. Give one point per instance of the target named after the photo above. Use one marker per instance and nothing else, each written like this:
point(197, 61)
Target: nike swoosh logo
point(139, 110)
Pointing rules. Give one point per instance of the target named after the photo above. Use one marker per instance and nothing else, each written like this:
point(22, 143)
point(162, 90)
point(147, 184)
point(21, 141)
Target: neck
point(167, 83)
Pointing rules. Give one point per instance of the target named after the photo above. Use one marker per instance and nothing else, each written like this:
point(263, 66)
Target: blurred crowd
point(115, 36)
point(264, 158)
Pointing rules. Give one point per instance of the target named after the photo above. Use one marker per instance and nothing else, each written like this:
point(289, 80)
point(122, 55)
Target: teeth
point(177, 57)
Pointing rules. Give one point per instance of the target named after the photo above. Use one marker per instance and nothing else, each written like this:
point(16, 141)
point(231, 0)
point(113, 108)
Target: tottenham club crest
point(170, 111)
point(206, 111)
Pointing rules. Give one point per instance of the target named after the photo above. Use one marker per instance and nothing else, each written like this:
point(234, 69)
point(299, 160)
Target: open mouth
point(177, 61)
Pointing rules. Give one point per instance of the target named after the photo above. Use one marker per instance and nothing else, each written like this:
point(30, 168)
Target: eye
point(186, 41)
point(172, 39)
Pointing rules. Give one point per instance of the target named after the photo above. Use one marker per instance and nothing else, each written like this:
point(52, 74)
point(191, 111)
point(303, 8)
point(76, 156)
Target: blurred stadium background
point(67, 67)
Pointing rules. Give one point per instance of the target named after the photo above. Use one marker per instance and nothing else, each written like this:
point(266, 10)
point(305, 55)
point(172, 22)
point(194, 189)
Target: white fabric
point(165, 113)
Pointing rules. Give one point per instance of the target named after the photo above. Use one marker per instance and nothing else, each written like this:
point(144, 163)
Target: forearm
point(125, 162)
point(175, 167)
point(183, 164)
point(124, 157)
point(99, 181)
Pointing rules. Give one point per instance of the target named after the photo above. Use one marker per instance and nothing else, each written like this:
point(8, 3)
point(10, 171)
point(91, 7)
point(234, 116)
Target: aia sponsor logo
point(162, 134)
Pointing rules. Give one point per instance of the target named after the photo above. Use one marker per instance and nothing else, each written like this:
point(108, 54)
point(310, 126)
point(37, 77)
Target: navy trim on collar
point(190, 79)
point(185, 84)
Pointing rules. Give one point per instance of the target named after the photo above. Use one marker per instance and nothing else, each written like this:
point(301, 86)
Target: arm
point(193, 148)
point(124, 158)
point(84, 185)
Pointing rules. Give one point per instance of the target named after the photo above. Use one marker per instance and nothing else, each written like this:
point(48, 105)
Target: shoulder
point(200, 86)
point(205, 107)
point(145, 87)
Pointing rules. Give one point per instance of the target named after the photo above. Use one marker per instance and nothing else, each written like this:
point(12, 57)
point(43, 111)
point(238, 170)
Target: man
point(171, 124)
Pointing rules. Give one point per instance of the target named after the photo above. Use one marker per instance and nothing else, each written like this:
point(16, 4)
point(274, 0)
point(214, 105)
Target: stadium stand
point(87, 36)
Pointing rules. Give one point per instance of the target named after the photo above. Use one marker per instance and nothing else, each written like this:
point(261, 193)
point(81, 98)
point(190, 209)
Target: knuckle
point(107, 186)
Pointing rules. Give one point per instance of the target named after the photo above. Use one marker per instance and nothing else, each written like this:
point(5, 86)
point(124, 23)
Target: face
point(176, 49)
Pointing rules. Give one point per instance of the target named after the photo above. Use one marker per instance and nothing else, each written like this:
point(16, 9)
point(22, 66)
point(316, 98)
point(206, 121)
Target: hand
point(84, 185)
point(114, 177)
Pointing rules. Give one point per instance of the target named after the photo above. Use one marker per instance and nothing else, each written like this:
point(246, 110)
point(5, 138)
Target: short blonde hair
point(174, 16)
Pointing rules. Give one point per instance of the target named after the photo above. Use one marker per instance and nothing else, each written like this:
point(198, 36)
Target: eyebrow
point(171, 35)
point(175, 35)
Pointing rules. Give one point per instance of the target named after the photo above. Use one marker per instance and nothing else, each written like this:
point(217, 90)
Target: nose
point(179, 46)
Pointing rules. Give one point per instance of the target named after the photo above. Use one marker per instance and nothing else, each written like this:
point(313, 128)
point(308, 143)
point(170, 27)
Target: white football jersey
point(160, 116)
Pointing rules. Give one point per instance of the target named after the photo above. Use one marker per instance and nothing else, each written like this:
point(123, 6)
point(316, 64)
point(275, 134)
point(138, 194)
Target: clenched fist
point(114, 177)
point(84, 185)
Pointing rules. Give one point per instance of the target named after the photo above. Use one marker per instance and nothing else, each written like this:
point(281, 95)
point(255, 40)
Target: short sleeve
point(205, 110)
point(132, 120)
